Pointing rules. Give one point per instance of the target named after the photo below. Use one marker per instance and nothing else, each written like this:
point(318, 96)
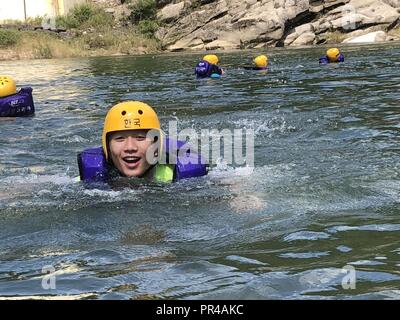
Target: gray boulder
point(227, 24)
point(377, 36)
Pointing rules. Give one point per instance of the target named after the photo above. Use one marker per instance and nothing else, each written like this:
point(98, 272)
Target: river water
point(316, 218)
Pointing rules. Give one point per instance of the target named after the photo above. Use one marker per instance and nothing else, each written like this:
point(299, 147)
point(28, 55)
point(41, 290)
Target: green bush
point(85, 16)
point(36, 21)
point(143, 10)
point(83, 13)
point(100, 19)
point(148, 28)
point(67, 22)
point(9, 38)
point(100, 42)
point(43, 51)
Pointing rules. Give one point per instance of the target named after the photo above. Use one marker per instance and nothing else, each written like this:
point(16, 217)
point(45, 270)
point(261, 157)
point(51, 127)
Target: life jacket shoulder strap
point(93, 165)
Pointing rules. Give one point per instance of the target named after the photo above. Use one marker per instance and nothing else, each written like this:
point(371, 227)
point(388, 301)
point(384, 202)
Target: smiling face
point(128, 152)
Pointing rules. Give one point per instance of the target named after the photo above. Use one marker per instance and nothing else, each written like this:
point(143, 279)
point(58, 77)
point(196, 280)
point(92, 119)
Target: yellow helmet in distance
point(7, 86)
point(211, 58)
point(261, 61)
point(333, 54)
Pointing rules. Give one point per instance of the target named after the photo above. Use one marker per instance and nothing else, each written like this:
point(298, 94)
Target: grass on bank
point(90, 31)
point(85, 16)
point(9, 38)
point(335, 37)
point(46, 45)
point(395, 32)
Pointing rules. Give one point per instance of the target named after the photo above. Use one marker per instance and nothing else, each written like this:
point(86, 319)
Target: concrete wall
point(18, 9)
point(12, 10)
point(35, 8)
point(65, 5)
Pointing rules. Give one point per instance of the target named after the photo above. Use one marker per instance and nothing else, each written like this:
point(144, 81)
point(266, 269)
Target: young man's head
point(126, 140)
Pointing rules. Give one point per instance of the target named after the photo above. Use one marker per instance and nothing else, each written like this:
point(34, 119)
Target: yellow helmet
point(7, 86)
point(130, 115)
point(261, 61)
point(333, 54)
point(211, 58)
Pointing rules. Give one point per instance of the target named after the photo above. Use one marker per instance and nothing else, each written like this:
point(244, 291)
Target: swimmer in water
point(260, 63)
point(333, 55)
point(208, 67)
point(133, 145)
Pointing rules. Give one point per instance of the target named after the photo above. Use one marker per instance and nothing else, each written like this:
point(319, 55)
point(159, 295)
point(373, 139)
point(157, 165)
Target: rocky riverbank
point(125, 27)
point(236, 24)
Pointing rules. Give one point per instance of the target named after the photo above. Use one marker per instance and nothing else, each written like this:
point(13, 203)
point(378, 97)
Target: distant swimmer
point(208, 68)
point(13, 103)
point(260, 63)
point(333, 55)
point(134, 146)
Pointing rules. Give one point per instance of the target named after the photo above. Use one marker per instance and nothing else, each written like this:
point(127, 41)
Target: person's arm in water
point(323, 60)
point(216, 69)
point(254, 68)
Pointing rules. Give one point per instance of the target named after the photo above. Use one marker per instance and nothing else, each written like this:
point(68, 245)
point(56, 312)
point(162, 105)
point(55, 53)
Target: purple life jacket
point(189, 164)
point(203, 69)
point(93, 166)
point(325, 59)
point(17, 105)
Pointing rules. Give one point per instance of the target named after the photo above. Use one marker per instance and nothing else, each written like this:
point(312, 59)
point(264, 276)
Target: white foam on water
point(61, 269)
point(372, 227)
point(71, 139)
point(389, 187)
point(244, 260)
point(304, 255)
point(111, 195)
point(306, 235)
point(224, 170)
point(50, 253)
point(262, 127)
point(33, 186)
point(32, 179)
point(344, 249)
point(366, 263)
